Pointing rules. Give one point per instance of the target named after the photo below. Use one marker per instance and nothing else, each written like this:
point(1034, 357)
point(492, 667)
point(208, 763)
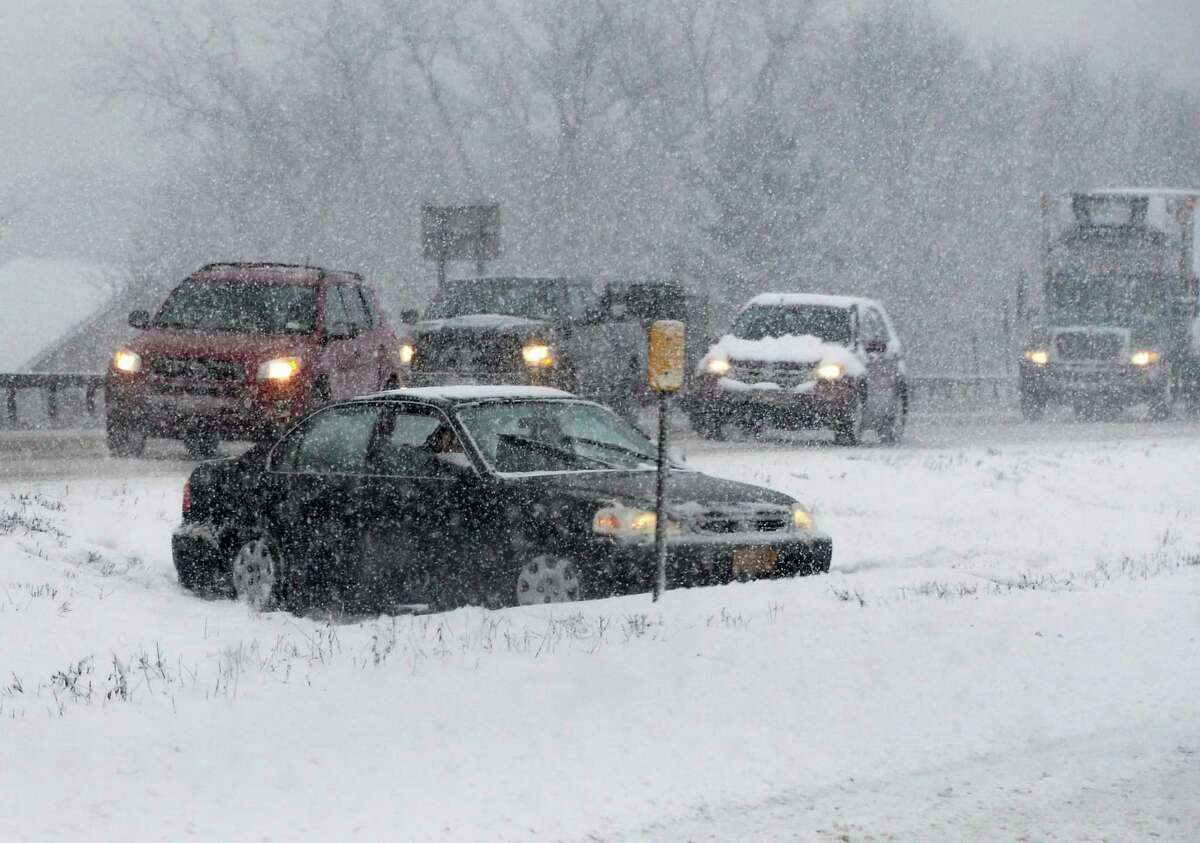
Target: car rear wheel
point(123, 439)
point(1161, 404)
point(1033, 406)
point(892, 429)
point(548, 579)
point(257, 574)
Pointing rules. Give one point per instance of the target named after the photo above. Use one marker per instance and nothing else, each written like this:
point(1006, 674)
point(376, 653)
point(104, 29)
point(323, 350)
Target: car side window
point(335, 308)
point(416, 441)
point(368, 314)
point(334, 441)
point(355, 309)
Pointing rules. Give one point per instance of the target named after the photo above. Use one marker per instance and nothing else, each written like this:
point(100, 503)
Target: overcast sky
point(51, 133)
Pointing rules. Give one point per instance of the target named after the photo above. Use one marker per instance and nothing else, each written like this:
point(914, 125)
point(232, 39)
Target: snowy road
point(1004, 650)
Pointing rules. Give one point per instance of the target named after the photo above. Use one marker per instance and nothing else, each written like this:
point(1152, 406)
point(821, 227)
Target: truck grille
point(784, 373)
point(451, 351)
point(1078, 345)
point(197, 368)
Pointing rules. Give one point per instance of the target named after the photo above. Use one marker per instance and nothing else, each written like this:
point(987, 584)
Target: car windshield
point(524, 436)
point(831, 324)
point(530, 298)
point(240, 307)
point(1120, 299)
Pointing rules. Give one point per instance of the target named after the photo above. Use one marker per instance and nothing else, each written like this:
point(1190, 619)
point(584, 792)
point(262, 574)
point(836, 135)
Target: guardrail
point(978, 389)
point(51, 384)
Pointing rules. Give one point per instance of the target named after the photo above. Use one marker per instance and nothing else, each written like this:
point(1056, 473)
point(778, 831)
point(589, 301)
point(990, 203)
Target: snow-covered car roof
point(460, 393)
point(814, 299)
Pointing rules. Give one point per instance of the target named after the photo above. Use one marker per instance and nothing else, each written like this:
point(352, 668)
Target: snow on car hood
point(480, 322)
point(789, 349)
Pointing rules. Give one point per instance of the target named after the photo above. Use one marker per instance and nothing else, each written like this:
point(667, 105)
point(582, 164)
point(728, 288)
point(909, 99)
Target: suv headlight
point(537, 354)
point(407, 352)
point(1038, 356)
point(801, 518)
point(127, 361)
point(717, 366)
point(279, 369)
point(627, 522)
point(1144, 358)
point(830, 371)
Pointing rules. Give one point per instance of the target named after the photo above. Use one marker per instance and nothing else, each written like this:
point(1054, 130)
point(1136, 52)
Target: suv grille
point(784, 373)
point(761, 521)
point(453, 351)
point(197, 368)
point(1077, 345)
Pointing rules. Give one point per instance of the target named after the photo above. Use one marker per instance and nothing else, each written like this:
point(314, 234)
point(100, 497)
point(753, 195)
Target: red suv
point(240, 350)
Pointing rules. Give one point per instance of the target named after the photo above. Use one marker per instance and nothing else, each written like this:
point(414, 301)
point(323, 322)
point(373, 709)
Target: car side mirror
point(139, 319)
point(410, 316)
point(875, 346)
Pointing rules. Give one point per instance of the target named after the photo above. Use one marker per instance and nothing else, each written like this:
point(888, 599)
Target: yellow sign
point(666, 355)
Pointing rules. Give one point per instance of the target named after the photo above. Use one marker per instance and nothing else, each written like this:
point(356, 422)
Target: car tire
point(124, 440)
point(1162, 403)
point(708, 426)
point(257, 572)
point(848, 428)
point(548, 578)
point(892, 429)
point(392, 382)
point(1033, 406)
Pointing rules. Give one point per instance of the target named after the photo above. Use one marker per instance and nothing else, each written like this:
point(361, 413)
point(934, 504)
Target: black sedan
point(443, 496)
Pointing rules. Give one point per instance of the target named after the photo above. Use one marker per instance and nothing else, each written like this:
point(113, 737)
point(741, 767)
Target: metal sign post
point(665, 369)
point(460, 232)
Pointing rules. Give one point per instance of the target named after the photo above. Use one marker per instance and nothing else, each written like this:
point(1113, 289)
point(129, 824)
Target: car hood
point(168, 342)
point(482, 323)
point(686, 490)
point(800, 349)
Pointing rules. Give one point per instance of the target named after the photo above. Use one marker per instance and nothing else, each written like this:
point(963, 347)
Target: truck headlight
point(127, 361)
point(1144, 358)
point(830, 371)
point(537, 354)
point(1038, 356)
point(717, 366)
point(407, 351)
point(279, 369)
point(627, 522)
point(801, 518)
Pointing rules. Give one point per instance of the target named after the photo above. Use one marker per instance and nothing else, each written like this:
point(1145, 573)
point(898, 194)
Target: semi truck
point(1117, 326)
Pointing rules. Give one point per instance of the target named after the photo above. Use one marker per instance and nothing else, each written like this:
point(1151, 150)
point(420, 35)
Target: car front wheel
point(848, 429)
point(123, 439)
point(548, 579)
point(892, 429)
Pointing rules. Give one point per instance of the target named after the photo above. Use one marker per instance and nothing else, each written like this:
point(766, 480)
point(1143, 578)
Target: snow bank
point(1006, 628)
point(40, 301)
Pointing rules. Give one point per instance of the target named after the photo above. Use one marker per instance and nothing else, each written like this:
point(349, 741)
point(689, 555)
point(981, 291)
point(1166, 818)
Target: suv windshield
point(831, 324)
point(521, 436)
point(240, 307)
point(532, 298)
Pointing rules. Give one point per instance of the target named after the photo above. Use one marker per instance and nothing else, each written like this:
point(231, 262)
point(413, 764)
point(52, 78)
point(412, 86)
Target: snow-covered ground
point(40, 301)
point(1005, 650)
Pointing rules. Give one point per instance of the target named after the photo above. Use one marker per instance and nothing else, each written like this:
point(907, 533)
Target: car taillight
point(187, 496)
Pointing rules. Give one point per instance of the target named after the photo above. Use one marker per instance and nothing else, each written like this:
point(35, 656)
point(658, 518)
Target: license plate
point(755, 560)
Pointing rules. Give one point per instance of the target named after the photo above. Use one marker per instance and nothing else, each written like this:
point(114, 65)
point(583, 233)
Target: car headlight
point(407, 351)
point(537, 354)
point(627, 522)
point(127, 361)
point(1144, 357)
point(801, 518)
point(279, 369)
point(1038, 356)
point(718, 366)
point(830, 371)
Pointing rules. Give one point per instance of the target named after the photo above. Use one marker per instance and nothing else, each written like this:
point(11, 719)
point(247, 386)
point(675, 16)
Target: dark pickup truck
point(543, 331)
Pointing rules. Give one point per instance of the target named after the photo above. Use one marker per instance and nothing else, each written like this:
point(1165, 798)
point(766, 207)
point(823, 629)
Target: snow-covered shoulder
point(811, 299)
point(786, 349)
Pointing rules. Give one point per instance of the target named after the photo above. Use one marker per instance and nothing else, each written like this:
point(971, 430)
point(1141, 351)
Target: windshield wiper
point(564, 454)
point(615, 448)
